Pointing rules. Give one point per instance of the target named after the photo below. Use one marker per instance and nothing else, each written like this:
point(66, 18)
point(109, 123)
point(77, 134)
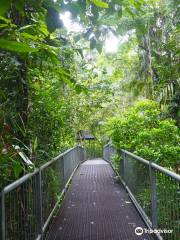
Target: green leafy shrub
point(116, 161)
point(141, 130)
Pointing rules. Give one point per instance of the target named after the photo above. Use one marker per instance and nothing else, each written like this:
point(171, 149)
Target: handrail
point(18, 182)
point(154, 190)
point(24, 178)
point(154, 165)
point(28, 204)
point(59, 156)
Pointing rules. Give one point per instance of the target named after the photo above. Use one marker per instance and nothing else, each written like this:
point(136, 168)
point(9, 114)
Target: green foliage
point(16, 46)
point(35, 111)
point(53, 83)
point(141, 130)
point(5, 5)
point(100, 4)
point(116, 161)
point(160, 144)
point(124, 129)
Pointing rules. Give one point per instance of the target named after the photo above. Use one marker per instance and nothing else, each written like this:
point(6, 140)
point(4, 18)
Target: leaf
point(20, 5)
point(35, 144)
point(77, 38)
point(129, 11)
point(5, 19)
point(53, 20)
point(26, 27)
point(3, 25)
point(17, 169)
point(100, 4)
point(92, 43)
point(99, 48)
point(80, 51)
point(6, 23)
point(43, 29)
point(4, 6)
point(80, 88)
point(88, 33)
point(29, 36)
point(120, 13)
point(2, 94)
point(16, 46)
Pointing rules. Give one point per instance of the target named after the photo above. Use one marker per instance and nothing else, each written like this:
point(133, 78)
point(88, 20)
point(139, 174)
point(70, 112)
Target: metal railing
point(109, 152)
point(154, 190)
point(28, 204)
point(93, 149)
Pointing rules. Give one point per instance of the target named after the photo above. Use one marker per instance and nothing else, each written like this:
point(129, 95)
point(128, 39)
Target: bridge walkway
point(96, 207)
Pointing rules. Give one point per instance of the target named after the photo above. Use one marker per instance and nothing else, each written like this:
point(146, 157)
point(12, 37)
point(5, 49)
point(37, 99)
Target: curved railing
point(154, 190)
point(28, 204)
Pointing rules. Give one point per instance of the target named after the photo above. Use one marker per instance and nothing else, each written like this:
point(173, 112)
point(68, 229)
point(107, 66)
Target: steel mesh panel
point(136, 176)
point(155, 190)
point(52, 186)
point(27, 205)
point(21, 211)
point(168, 205)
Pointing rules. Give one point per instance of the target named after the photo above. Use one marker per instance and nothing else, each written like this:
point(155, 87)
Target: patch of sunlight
point(111, 43)
point(68, 22)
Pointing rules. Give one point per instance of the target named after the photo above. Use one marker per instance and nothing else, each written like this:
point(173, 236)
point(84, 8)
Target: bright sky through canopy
point(111, 42)
point(69, 24)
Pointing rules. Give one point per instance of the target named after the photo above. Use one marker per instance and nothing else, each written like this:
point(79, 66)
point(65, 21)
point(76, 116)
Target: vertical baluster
point(124, 166)
point(152, 174)
point(3, 217)
point(39, 202)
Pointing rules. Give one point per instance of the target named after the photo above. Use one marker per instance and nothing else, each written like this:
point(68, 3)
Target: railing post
point(84, 154)
point(63, 168)
point(39, 203)
point(152, 174)
point(3, 218)
point(64, 171)
point(123, 165)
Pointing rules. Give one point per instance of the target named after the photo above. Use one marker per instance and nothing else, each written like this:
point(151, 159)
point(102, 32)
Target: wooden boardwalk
point(96, 208)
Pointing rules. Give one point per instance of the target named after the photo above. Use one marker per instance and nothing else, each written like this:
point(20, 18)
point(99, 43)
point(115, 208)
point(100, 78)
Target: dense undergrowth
point(142, 129)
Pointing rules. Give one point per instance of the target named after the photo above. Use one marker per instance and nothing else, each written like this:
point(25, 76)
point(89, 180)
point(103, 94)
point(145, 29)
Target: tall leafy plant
point(141, 130)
